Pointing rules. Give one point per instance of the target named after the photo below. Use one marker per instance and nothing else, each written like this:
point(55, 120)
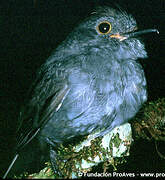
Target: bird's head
point(110, 30)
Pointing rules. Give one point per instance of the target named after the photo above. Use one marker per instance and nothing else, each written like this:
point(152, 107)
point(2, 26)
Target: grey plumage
point(92, 81)
point(106, 86)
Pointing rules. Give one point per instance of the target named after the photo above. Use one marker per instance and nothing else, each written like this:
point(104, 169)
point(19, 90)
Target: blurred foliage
point(149, 123)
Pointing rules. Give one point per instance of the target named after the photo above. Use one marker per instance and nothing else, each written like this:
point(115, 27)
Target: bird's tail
point(11, 165)
point(21, 144)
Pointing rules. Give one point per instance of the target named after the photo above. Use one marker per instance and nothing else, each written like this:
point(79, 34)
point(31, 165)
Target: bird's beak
point(124, 36)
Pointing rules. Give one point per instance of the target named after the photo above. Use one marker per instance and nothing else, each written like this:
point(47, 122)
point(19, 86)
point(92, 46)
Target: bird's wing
point(46, 97)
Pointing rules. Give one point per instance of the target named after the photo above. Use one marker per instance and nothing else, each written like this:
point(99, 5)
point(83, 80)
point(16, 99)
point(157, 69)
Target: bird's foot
point(54, 158)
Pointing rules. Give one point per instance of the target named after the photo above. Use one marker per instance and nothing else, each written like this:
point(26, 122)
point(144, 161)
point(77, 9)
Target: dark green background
point(30, 30)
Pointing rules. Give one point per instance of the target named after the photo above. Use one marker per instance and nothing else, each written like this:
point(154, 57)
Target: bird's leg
point(54, 158)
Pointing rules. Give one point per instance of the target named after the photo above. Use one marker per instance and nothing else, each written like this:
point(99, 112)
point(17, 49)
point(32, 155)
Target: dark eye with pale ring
point(104, 27)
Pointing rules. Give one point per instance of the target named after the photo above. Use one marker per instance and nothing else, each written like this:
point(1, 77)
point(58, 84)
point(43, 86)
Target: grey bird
point(92, 81)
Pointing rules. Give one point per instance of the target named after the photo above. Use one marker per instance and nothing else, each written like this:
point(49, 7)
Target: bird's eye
point(104, 27)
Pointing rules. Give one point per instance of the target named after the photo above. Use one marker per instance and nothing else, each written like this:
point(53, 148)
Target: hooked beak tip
point(157, 31)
